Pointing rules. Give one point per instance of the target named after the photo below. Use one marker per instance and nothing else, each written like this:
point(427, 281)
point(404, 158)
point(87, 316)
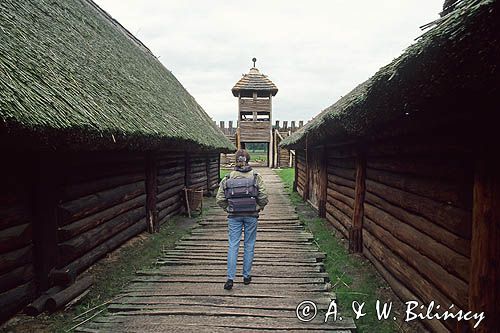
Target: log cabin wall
point(417, 220)
point(61, 213)
point(170, 182)
point(341, 174)
point(416, 216)
point(300, 171)
point(203, 171)
point(213, 166)
point(101, 205)
point(197, 171)
point(17, 271)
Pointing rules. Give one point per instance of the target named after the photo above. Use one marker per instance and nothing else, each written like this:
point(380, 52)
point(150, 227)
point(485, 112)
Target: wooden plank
point(151, 171)
point(355, 232)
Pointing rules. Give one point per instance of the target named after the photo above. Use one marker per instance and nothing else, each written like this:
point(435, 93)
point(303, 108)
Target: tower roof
point(252, 82)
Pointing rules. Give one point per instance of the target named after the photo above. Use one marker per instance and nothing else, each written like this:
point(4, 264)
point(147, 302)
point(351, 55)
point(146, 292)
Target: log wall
point(341, 175)
point(300, 171)
point(417, 220)
point(17, 270)
point(101, 205)
point(412, 210)
point(255, 131)
point(61, 213)
point(170, 182)
point(203, 171)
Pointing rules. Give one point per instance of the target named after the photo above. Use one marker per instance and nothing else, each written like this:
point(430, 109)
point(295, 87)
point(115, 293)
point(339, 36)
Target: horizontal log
point(74, 191)
point(168, 212)
point(408, 276)
point(339, 215)
point(450, 285)
point(77, 209)
point(340, 205)
point(456, 193)
point(71, 230)
point(168, 164)
point(58, 300)
point(172, 170)
point(340, 152)
point(437, 144)
point(345, 191)
point(346, 163)
point(71, 249)
point(344, 173)
point(199, 168)
point(15, 237)
point(437, 168)
point(14, 214)
point(168, 202)
point(426, 245)
point(172, 191)
point(337, 224)
point(39, 305)
point(334, 196)
point(82, 174)
point(15, 299)
point(172, 178)
point(16, 277)
point(16, 258)
point(197, 175)
point(401, 291)
point(452, 218)
point(82, 263)
point(422, 224)
point(334, 179)
point(198, 183)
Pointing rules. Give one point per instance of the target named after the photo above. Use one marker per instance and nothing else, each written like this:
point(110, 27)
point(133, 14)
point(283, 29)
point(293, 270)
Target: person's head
point(242, 157)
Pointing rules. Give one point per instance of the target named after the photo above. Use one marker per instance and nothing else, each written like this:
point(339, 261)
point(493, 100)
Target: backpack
point(241, 194)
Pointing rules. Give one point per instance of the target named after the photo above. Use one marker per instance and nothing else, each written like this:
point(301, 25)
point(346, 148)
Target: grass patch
point(352, 277)
point(111, 275)
point(224, 172)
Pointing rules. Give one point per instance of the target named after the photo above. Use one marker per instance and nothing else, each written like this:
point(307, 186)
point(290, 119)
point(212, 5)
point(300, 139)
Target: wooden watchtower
point(255, 93)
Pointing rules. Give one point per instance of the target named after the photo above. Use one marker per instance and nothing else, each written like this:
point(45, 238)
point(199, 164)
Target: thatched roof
point(455, 60)
point(252, 82)
point(67, 69)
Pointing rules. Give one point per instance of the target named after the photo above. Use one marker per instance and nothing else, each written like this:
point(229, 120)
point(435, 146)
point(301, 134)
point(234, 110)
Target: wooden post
point(305, 195)
point(323, 183)
point(207, 170)
point(187, 169)
point(271, 144)
point(45, 216)
point(484, 288)
point(356, 231)
point(153, 224)
point(296, 175)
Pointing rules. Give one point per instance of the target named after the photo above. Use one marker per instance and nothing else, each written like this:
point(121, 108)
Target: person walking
point(242, 194)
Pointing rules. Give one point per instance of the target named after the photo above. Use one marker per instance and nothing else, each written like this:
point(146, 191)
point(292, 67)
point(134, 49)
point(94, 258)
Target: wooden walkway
point(184, 293)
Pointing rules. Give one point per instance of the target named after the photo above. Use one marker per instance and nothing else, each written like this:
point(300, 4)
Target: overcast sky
point(314, 51)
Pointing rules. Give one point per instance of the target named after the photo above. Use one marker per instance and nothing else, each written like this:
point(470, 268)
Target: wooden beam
point(484, 289)
point(151, 193)
point(323, 183)
point(356, 231)
point(296, 175)
point(305, 194)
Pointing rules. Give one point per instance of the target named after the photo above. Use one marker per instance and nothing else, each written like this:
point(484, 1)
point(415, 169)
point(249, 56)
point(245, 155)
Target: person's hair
point(242, 157)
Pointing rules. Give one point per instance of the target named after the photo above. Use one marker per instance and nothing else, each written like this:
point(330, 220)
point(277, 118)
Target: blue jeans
point(235, 226)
